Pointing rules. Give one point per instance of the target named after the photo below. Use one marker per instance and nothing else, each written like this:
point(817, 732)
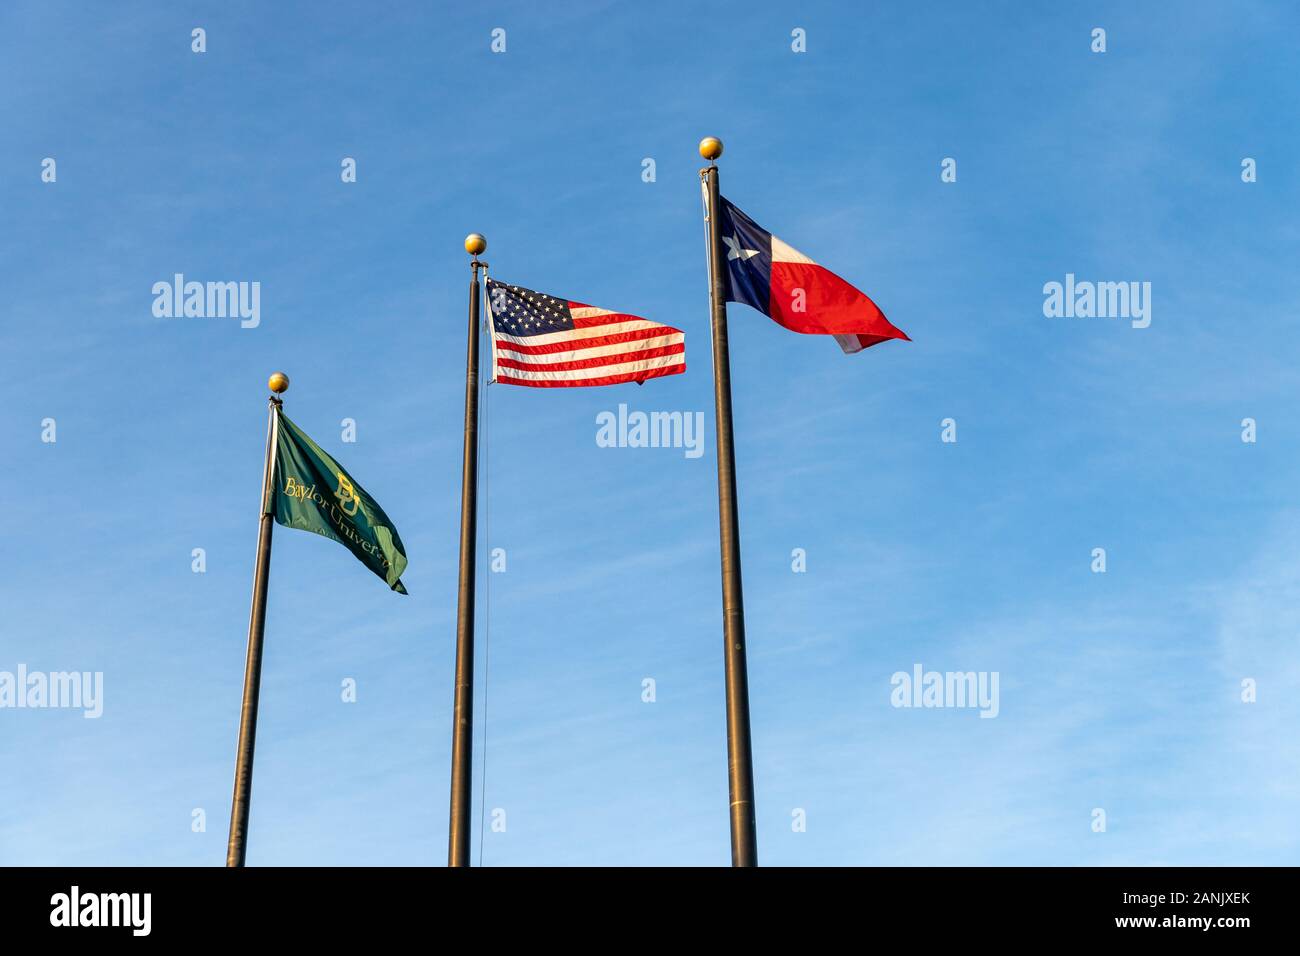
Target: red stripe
point(605, 380)
point(594, 321)
point(596, 362)
point(571, 345)
point(827, 304)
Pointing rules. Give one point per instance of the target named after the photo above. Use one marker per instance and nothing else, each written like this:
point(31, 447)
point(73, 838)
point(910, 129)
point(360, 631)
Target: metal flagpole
point(462, 729)
point(237, 847)
point(740, 763)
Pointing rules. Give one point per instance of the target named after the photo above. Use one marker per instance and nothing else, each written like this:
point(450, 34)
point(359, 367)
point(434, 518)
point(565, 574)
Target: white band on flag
point(491, 327)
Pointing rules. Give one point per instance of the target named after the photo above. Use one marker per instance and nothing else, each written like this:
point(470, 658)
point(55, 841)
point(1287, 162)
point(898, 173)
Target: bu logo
point(348, 498)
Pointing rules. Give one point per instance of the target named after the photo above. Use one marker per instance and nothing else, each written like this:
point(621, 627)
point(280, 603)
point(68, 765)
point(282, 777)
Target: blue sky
point(1118, 691)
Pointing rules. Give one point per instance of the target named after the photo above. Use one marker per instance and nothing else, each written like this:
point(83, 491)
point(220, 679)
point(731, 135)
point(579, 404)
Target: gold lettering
point(347, 496)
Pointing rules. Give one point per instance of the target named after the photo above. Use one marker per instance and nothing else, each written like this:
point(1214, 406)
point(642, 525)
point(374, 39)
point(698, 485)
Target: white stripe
point(549, 358)
point(785, 253)
point(577, 335)
point(588, 312)
point(600, 371)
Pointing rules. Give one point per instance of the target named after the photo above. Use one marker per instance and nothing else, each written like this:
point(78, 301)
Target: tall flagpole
point(740, 762)
point(462, 728)
point(237, 846)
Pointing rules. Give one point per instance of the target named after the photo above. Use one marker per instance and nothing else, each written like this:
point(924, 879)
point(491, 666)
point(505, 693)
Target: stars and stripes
point(545, 342)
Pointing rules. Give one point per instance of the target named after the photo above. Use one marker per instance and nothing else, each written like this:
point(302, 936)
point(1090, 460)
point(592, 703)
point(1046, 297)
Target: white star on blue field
point(734, 250)
point(1119, 691)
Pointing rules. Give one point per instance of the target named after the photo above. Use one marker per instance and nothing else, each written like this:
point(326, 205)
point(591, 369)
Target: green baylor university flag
point(313, 492)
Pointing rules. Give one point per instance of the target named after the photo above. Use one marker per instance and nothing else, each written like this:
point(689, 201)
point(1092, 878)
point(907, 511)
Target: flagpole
point(237, 846)
point(740, 762)
point(463, 702)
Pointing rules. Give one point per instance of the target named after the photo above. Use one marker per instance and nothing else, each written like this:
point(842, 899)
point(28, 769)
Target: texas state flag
point(783, 283)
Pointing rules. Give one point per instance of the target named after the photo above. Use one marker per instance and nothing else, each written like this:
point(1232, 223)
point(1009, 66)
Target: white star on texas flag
point(735, 251)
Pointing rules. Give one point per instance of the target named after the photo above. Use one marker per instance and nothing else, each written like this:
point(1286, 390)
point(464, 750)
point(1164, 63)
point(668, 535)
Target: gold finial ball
point(710, 147)
point(475, 244)
point(278, 382)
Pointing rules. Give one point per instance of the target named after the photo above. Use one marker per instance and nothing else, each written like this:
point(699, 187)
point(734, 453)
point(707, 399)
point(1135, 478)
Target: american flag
point(545, 342)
